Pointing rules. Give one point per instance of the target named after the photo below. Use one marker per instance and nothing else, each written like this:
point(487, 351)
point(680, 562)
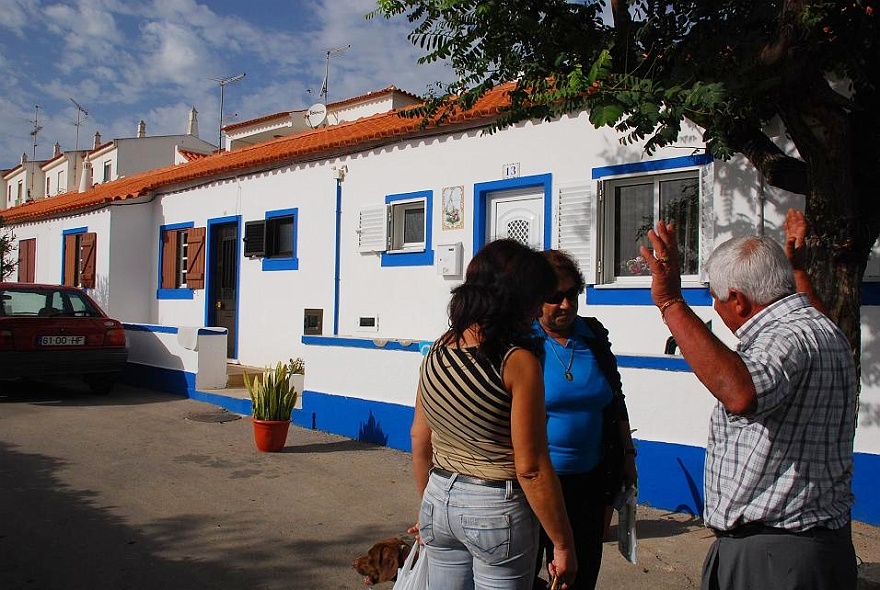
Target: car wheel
point(101, 384)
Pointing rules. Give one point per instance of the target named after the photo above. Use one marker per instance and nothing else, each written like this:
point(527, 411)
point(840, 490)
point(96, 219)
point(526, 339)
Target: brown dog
point(382, 561)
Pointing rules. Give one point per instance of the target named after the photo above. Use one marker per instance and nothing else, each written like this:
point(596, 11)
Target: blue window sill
point(175, 294)
point(270, 264)
point(425, 258)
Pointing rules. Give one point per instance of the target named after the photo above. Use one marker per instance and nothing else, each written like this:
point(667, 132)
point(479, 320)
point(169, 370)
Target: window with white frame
point(108, 170)
point(399, 230)
point(406, 231)
point(632, 206)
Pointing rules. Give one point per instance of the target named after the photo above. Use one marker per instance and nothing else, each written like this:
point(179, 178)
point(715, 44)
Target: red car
point(53, 330)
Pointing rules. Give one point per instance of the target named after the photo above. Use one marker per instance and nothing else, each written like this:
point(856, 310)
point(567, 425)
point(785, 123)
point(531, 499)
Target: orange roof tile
point(326, 142)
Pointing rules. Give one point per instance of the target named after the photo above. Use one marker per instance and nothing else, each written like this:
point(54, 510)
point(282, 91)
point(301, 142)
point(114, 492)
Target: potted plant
point(274, 394)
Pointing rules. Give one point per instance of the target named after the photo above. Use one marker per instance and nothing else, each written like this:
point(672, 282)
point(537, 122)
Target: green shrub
point(273, 396)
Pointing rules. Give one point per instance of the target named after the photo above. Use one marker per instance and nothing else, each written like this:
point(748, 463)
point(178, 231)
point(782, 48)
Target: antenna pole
point(37, 128)
point(223, 82)
point(332, 51)
point(79, 111)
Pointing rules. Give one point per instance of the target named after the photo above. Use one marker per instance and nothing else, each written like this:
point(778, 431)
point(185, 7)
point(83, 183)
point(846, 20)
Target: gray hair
point(756, 266)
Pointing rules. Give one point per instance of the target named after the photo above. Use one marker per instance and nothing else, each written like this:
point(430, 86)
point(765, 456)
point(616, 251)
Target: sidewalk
point(671, 546)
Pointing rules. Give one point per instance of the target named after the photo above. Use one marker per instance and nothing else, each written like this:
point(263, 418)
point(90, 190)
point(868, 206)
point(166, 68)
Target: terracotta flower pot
point(270, 435)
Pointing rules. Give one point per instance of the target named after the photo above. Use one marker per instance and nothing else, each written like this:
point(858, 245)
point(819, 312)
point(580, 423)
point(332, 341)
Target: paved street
point(143, 490)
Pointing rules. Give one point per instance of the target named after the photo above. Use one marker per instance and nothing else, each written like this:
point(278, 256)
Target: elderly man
point(779, 457)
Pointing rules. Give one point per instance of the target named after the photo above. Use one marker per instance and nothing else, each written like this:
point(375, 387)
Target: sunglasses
point(556, 298)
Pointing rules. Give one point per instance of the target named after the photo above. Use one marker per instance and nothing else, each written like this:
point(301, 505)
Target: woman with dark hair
point(479, 436)
point(587, 422)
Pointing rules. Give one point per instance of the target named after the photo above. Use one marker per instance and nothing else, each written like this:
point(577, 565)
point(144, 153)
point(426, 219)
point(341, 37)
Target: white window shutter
point(707, 216)
point(372, 229)
point(576, 226)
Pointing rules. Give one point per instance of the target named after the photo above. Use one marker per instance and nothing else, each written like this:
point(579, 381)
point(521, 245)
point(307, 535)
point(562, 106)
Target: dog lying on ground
point(381, 562)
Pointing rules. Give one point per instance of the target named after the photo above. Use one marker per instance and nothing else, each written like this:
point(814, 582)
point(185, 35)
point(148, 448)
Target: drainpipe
point(339, 175)
point(762, 199)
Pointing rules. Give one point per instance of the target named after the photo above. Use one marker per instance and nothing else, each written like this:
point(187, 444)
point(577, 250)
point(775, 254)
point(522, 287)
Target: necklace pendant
point(569, 376)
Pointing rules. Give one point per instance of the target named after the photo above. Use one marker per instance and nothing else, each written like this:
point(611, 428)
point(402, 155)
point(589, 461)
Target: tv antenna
point(330, 52)
point(223, 83)
point(37, 129)
point(81, 116)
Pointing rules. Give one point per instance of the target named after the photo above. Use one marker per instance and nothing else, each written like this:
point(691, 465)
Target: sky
point(123, 61)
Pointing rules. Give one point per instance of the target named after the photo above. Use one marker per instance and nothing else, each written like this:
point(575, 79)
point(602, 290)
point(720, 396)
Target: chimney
point(23, 158)
point(56, 151)
point(85, 181)
point(142, 129)
point(192, 126)
point(97, 141)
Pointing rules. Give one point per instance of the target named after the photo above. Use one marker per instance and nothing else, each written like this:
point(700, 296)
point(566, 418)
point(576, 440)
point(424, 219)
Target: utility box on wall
point(449, 259)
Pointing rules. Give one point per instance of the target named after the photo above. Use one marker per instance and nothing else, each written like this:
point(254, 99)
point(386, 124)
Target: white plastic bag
point(413, 576)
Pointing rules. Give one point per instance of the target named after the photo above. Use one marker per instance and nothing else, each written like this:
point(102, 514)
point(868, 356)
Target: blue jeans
point(477, 537)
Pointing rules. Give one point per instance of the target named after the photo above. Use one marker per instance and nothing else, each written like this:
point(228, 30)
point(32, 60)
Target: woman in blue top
point(587, 423)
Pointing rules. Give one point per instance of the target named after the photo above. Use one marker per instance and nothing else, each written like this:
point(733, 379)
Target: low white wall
point(196, 350)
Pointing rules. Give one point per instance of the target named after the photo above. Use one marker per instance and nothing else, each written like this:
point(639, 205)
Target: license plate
point(61, 340)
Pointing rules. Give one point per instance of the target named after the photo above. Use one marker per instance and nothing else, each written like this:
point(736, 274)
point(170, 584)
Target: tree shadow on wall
point(371, 432)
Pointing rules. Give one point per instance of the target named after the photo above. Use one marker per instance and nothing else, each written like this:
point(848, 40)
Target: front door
point(223, 282)
point(519, 215)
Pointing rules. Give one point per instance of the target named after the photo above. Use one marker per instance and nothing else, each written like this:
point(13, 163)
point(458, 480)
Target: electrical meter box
point(449, 259)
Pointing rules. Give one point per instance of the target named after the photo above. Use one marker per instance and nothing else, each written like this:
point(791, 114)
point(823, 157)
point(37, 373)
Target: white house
point(340, 245)
point(62, 172)
point(23, 183)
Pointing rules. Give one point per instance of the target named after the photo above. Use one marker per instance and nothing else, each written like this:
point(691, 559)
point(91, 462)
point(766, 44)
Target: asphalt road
point(144, 490)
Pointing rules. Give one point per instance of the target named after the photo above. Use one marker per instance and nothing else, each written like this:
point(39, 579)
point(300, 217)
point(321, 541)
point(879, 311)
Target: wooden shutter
point(27, 260)
point(707, 217)
point(195, 271)
point(577, 227)
point(373, 229)
point(88, 250)
point(169, 259)
point(71, 259)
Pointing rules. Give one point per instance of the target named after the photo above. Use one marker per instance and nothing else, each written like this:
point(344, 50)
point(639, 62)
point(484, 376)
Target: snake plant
point(273, 396)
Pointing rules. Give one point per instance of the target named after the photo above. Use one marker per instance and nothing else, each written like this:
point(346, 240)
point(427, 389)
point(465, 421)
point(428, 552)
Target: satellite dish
point(316, 115)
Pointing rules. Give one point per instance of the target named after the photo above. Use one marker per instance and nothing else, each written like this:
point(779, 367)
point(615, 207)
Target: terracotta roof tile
point(309, 145)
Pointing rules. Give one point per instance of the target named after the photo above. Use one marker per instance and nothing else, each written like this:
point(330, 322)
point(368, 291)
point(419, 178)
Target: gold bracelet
point(666, 305)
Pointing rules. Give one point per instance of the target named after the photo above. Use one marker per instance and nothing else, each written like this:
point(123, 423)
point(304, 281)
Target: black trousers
point(585, 504)
point(756, 558)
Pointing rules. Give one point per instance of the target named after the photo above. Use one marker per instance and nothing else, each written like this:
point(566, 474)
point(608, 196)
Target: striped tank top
point(468, 410)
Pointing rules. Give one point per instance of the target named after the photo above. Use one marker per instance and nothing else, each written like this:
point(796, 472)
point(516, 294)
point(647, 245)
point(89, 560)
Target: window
point(27, 260)
point(274, 239)
point(279, 237)
point(634, 205)
point(182, 260)
point(48, 185)
point(107, 170)
point(400, 231)
point(79, 252)
point(59, 188)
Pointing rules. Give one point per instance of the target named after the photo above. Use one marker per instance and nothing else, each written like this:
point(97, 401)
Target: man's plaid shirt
point(789, 464)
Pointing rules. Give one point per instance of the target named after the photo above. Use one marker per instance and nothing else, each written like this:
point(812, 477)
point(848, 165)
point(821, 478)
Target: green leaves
point(273, 396)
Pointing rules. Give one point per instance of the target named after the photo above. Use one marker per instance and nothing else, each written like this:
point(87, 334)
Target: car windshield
point(45, 303)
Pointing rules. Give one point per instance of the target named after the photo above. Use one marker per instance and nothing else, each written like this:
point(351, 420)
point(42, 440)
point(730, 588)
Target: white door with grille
point(518, 215)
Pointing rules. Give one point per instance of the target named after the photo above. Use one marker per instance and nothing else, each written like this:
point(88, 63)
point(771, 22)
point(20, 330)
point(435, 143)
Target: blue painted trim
point(642, 296)
point(175, 293)
point(482, 191)
point(64, 233)
point(159, 378)
point(378, 343)
point(284, 262)
point(366, 421)
point(652, 165)
point(871, 294)
point(866, 468)
point(670, 474)
point(151, 328)
point(425, 257)
point(233, 404)
point(336, 257)
point(209, 274)
point(662, 363)
point(170, 293)
point(157, 329)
